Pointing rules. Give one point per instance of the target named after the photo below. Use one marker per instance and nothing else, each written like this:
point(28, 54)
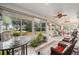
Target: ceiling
point(49, 9)
point(43, 9)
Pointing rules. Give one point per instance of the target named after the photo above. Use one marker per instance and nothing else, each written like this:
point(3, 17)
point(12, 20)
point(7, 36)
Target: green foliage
point(37, 40)
point(39, 37)
point(34, 43)
point(6, 21)
point(28, 26)
point(16, 33)
point(5, 53)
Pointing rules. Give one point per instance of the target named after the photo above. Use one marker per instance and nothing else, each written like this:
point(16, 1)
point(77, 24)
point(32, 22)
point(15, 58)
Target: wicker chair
point(67, 51)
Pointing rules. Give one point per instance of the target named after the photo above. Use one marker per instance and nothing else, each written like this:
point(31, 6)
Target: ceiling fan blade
point(64, 15)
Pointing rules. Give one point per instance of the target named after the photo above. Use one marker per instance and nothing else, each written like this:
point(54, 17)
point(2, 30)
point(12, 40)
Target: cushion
point(59, 49)
point(62, 45)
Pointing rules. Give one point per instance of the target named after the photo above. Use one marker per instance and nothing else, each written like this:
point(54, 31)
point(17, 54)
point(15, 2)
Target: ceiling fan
point(59, 15)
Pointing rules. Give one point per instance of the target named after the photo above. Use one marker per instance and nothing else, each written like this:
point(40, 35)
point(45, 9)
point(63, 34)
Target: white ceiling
point(49, 9)
point(43, 9)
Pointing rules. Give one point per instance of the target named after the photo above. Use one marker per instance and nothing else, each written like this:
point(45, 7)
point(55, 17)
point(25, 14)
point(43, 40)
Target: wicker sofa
point(68, 48)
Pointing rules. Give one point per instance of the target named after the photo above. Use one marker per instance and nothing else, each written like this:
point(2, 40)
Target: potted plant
point(34, 43)
point(37, 40)
point(16, 41)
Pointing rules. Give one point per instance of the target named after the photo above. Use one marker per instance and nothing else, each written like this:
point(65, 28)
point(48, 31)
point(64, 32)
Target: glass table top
point(15, 42)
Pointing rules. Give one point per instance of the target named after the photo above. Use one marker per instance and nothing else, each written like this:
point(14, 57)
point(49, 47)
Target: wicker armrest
point(54, 52)
point(67, 51)
point(63, 44)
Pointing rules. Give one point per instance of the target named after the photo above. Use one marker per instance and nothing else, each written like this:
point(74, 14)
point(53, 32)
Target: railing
point(11, 51)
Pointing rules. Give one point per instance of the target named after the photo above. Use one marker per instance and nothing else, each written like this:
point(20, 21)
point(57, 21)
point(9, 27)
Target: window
point(27, 25)
point(16, 22)
point(39, 25)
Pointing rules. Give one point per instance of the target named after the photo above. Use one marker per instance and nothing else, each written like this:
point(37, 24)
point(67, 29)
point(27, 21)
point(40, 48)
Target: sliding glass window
point(40, 26)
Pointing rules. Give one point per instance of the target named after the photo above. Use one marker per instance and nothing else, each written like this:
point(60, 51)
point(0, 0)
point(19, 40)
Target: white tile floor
point(44, 48)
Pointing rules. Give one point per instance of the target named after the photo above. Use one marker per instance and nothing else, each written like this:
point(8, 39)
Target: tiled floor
point(44, 49)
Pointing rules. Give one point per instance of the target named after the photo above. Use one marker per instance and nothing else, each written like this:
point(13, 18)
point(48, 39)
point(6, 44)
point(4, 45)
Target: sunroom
point(39, 29)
